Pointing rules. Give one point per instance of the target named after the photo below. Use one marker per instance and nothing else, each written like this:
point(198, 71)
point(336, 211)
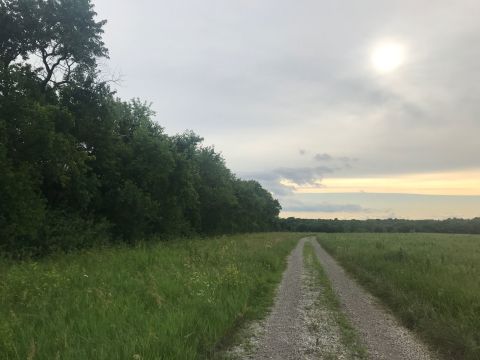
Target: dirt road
point(287, 333)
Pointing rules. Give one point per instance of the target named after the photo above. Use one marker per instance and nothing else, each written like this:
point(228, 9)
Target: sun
point(388, 56)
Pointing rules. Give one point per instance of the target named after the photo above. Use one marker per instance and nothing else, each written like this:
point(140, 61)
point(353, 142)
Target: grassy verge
point(169, 301)
point(329, 300)
point(431, 281)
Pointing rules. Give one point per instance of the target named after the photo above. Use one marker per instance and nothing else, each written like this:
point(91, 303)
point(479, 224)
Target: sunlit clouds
point(380, 206)
point(446, 183)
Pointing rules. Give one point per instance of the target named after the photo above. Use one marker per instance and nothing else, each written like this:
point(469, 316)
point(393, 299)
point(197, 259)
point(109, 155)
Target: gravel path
point(299, 326)
point(286, 334)
point(283, 327)
point(380, 331)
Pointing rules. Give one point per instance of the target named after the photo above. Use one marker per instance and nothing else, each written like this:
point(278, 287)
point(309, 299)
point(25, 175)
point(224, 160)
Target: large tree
point(58, 37)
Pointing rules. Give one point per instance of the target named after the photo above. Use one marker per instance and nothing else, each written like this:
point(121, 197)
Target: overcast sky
point(289, 92)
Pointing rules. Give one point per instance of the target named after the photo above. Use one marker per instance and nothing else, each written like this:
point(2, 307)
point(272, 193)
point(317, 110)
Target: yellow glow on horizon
point(388, 56)
point(446, 183)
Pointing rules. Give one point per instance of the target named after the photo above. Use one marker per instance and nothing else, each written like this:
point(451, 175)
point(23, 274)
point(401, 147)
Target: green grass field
point(430, 281)
point(176, 300)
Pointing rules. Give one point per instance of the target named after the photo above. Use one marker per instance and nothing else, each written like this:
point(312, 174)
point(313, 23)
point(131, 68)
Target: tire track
point(383, 336)
point(283, 327)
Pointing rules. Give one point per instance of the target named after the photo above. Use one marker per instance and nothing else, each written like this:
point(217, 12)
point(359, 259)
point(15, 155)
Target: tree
point(216, 192)
point(61, 34)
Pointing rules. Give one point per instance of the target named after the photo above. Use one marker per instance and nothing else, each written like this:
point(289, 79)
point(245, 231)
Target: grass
point(430, 281)
point(329, 300)
point(174, 300)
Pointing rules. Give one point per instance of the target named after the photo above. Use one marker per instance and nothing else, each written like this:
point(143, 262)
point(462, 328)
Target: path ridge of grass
point(328, 299)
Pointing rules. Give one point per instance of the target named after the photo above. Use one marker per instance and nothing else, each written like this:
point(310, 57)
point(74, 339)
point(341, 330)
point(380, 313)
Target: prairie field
point(174, 300)
point(430, 281)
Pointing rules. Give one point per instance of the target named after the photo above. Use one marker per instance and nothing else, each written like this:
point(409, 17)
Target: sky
point(347, 109)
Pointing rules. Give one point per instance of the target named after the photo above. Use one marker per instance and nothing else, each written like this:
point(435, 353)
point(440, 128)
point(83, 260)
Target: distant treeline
point(78, 166)
point(450, 226)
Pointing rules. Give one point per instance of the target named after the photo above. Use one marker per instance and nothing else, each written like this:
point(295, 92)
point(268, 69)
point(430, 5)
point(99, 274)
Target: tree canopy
point(79, 166)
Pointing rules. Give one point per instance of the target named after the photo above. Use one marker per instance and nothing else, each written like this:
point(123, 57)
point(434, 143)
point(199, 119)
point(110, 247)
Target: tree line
point(449, 226)
point(79, 166)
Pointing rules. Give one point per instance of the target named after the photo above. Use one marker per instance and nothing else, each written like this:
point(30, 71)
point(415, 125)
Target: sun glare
point(387, 57)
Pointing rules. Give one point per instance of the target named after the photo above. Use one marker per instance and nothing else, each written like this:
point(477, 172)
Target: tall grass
point(431, 281)
point(169, 301)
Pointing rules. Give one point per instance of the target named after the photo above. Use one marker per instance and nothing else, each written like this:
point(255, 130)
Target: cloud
point(303, 175)
point(326, 208)
point(242, 79)
point(382, 205)
point(282, 181)
point(344, 161)
point(347, 159)
point(327, 157)
point(323, 157)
